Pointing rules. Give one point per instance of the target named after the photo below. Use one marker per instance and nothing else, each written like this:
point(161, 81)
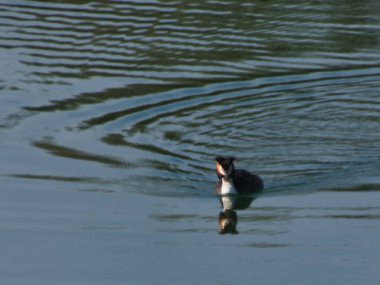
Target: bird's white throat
point(227, 187)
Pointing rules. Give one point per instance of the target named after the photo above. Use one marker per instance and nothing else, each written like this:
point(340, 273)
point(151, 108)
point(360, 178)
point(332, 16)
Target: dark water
point(111, 113)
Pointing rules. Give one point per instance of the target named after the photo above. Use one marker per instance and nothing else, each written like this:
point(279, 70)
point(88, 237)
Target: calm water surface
point(111, 113)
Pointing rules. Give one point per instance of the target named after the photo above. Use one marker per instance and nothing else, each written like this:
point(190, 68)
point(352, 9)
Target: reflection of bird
point(235, 181)
point(227, 222)
point(236, 202)
point(228, 219)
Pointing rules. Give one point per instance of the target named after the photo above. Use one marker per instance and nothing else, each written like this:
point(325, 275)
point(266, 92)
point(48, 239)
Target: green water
point(111, 114)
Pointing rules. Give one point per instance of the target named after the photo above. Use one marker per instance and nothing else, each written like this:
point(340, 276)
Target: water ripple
point(320, 124)
point(160, 87)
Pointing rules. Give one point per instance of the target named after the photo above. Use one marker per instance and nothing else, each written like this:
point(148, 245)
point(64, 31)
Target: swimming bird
point(235, 181)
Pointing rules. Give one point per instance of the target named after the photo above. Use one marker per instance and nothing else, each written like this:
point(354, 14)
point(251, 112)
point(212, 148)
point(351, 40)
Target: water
point(111, 114)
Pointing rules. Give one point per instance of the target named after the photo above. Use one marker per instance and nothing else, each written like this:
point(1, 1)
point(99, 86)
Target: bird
point(235, 181)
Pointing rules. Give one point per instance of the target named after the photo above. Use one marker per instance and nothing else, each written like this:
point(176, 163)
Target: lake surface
point(111, 113)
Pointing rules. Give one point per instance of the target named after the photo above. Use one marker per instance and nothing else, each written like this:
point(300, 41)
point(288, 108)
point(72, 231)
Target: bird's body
point(235, 181)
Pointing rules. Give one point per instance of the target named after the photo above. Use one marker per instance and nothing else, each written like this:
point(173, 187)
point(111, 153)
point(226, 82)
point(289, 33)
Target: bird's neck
point(227, 186)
